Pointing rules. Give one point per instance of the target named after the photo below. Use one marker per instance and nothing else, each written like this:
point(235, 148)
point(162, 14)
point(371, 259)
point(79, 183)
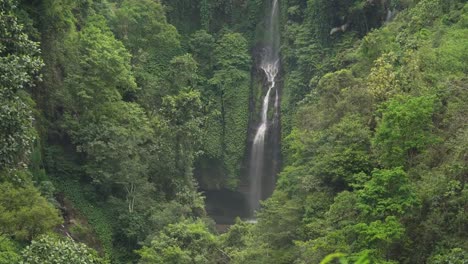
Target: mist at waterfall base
point(261, 180)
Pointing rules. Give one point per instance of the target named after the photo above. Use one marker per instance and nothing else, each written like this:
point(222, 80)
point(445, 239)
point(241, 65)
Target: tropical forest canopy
point(115, 114)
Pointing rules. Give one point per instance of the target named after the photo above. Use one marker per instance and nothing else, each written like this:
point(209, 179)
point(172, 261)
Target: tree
point(153, 42)
point(183, 113)
point(201, 45)
point(183, 72)
point(9, 251)
point(404, 130)
point(91, 81)
point(19, 69)
point(49, 249)
point(116, 138)
point(231, 52)
point(339, 152)
point(387, 193)
point(454, 256)
point(382, 81)
point(143, 28)
point(185, 242)
point(378, 237)
point(24, 214)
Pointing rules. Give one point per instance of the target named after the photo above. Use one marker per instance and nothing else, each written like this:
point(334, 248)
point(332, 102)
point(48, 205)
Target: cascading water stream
point(271, 70)
point(270, 66)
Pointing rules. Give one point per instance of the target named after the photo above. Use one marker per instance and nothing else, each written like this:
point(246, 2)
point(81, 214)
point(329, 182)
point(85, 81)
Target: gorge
point(221, 131)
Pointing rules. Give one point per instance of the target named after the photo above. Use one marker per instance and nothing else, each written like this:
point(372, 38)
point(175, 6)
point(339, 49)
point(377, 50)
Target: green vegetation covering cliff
point(114, 114)
point(375, 144)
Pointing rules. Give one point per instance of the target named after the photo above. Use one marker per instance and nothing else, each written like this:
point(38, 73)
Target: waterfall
point(270, 65)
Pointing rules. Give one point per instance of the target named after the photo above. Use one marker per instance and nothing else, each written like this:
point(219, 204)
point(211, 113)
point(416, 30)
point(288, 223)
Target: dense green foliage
point(371, 169)
point(115, 113)
point(19, 65)
point(117, 120)
point(184, 242)
point(51, 250)
point(24, 213)
point(231, 79)
point(9, 251)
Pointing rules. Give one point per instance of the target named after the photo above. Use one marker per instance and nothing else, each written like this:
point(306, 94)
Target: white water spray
point(271, 70)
